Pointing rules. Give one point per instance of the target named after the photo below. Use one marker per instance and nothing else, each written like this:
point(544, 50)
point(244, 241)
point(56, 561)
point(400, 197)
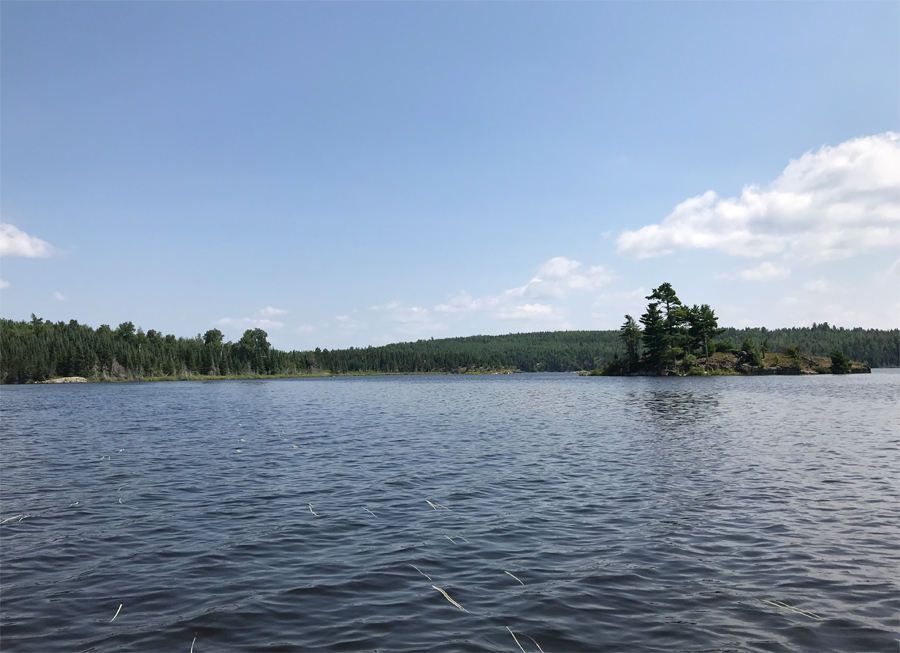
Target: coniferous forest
point(38, 350)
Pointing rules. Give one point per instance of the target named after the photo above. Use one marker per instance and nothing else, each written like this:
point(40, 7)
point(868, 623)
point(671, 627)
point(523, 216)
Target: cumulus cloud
point(765, 272)
point(4, 284)
point(60, 297)
point(271, 311)
point(555, 279)
point(14, 242)
point(249, 323)
point(834, 203)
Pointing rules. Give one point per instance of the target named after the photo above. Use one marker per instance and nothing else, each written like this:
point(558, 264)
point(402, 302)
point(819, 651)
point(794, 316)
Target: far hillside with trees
point(38, 350)
point(673, 339)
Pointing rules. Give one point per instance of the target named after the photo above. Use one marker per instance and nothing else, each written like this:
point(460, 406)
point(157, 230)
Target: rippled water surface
point(592, 513)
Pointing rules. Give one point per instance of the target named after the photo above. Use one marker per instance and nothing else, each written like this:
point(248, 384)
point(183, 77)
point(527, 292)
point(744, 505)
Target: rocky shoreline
point(742, 363)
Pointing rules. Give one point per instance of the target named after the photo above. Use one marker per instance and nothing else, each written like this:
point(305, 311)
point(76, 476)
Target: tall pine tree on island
point(654, 334)
point(631, 334)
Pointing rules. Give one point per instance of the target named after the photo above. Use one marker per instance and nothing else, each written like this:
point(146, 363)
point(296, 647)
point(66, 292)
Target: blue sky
point(360, 173)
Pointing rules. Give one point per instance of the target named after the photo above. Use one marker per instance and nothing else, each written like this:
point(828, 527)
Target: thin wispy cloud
point(347, 323)
point(271, 311)
point(817, 286)
point(249, 323)
point(834, 203)
point(15, 242)
point(60, 297)
point(766, 271)
point(4, 284)
point(555, 279)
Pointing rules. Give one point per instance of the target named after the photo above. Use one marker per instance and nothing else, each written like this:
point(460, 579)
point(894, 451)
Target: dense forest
point(38, 350)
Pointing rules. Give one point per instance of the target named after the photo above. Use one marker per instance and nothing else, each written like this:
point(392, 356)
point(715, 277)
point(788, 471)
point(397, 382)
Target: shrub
point(791, 350)
point(840, 364)
point(722, 345)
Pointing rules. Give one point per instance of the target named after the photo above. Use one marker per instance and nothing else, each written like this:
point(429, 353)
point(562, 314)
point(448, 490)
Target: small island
point(677, 340)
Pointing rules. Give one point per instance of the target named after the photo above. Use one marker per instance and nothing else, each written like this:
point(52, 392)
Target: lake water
point(600, 514)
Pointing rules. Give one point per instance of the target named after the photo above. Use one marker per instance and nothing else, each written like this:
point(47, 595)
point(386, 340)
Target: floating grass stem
point(785, 606)
point(514, 639)
point(506, 572)
point(116, 614)
point(311, 510)
point(192, 644)
point(11, 518)
point(370, 512)
point(449, 538)
point(431, 504)
point(447, 596)
point(421, 572)
point(535, 643)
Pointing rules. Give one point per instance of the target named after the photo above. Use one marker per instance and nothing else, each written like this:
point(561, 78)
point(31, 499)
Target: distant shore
point(859, 368)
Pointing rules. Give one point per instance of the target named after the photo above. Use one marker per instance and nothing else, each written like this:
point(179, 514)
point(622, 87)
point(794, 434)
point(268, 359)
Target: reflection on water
point(676, 407)
point(577, 513)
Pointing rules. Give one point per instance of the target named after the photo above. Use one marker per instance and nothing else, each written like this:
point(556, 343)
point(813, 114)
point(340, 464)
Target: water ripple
point(575, 513)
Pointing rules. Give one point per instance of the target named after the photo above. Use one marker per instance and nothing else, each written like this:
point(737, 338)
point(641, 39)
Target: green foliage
point(840, 364)
point(757, 358)
point(655, 340)
point(37, 350)
point(631, 335)
point(791, 350)
point(749, 344)
point(723, 346)
point(614, 367)
point(702, 327)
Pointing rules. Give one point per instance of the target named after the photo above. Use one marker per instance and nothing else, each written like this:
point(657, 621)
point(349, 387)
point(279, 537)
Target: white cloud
point(830, 204)
point(765, 272)
point(14, 242)
point(559, 276)
point(60, 297)
point(249, 323)
point(527, 312)
point(347, 323)
point(409, 320)
point(895, 268)
point(556, 278)
point(4, 284)
point(397, 312)
point(461, 302)
point(306, 328)
point(270, 311)
point(819, 285)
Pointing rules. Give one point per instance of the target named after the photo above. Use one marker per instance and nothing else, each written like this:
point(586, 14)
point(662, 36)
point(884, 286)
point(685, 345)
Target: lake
point(560, 512)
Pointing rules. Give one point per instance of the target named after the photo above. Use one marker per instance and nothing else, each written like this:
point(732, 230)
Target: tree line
point(37, 350)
